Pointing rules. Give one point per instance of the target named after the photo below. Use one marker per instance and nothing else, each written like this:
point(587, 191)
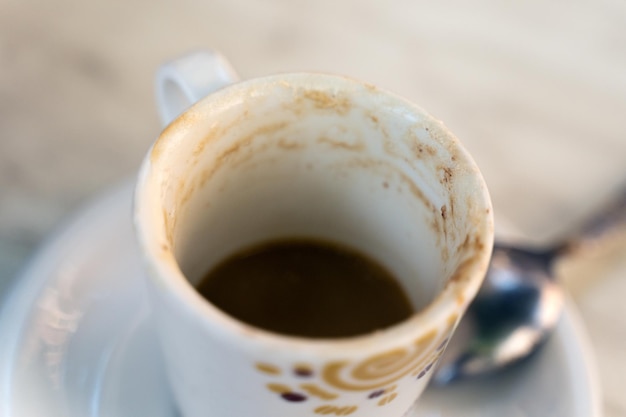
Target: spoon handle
point(608, 221)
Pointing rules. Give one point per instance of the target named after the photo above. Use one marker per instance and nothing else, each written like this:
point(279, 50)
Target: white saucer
point(77, 340)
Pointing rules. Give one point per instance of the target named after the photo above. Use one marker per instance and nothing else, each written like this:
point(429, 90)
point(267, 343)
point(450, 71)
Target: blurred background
point(535, 90)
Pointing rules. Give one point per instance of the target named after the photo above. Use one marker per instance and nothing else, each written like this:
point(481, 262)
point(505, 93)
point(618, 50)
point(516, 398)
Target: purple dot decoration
point(377, 393)
point(443, 344)
point(303, 372)
point(425, 370)
point(293, 397)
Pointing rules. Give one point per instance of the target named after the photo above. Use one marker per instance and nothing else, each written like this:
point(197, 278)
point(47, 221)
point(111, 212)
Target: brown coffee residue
point(180, 123)
point(421, 150)
point(169, 227)
point(439, 134)
point(445, 252)
point(157, 149)
point(462, 271)
point(288, 144)
point(451, 204)
point(197, 151)
point(391, 148)
point(373, 118)
point(464, 246)
point(417, 192)
point(326, 101)
point(337, 144)
point(438, 227)
point(471, 243)
point(460, 298)
point(371, 87)
point(377, 164)
point(478, 244)
point(186, 194)
point(237, 147)
point(215, 132)
point(185, 190)
point(447, 174)
point(437, 131)
point(472, 247)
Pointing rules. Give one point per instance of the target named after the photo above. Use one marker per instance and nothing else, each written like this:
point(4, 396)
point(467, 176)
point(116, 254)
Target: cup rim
point(164, 273)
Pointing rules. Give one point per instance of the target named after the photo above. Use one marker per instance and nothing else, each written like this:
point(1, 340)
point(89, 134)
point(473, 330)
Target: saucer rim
point(22, 291)
point(573, 324)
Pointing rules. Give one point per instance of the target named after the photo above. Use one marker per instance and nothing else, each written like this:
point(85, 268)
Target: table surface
point(535, 90)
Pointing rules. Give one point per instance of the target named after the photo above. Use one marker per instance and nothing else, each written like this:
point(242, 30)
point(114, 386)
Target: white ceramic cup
point(304, 155)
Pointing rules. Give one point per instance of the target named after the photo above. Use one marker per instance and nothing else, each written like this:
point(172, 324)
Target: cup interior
point(324, 157)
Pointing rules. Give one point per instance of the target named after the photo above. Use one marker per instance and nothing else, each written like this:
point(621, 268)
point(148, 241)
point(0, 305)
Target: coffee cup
point(303, 155)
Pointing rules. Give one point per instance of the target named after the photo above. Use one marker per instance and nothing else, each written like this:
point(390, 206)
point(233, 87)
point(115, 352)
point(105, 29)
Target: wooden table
point(536, 91)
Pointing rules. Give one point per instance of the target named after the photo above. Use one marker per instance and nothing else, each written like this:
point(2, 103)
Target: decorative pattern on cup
point(377, 377)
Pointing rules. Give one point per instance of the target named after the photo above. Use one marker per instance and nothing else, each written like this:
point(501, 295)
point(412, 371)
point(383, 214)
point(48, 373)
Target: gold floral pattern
point(389, 398)
point(267, 368)
point(333, 409)
point(376, 375)
point(378, 370)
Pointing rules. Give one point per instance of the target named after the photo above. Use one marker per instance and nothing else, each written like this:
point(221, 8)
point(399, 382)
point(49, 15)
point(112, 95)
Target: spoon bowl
point(515, 311)
point(519, 303)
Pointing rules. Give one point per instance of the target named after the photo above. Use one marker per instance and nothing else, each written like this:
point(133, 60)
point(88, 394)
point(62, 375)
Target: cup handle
point(184, 81)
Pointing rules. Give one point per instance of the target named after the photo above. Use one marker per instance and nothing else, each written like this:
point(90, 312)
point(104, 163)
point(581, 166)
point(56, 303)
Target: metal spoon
point(519, 303)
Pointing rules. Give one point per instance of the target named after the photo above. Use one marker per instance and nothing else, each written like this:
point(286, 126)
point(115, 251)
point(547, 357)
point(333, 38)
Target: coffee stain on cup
point(339, 144)
point(179, 126)
point(328, 101)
